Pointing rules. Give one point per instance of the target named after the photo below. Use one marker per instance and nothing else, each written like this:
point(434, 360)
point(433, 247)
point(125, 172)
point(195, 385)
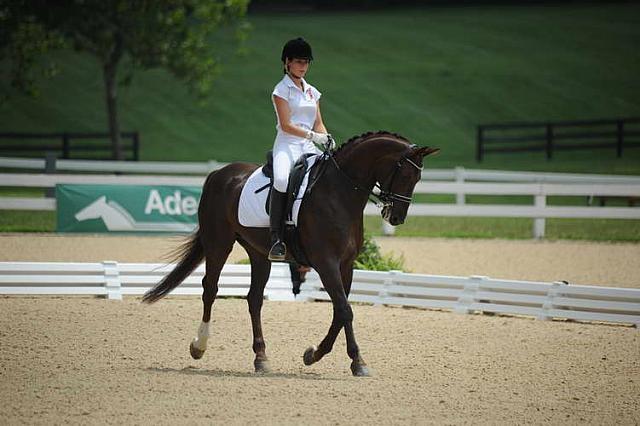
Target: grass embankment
point(430, 74)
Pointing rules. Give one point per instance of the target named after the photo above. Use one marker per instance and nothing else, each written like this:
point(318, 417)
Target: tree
point(177, 35)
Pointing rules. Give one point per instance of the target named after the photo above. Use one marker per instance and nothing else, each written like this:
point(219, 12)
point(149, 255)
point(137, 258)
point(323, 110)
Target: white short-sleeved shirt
point(303, 105)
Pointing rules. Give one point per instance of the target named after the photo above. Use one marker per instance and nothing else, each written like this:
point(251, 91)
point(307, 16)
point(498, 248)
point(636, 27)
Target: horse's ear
point(426, 150)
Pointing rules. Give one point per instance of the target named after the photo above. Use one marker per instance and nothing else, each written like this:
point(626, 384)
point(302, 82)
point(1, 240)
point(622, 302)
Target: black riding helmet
point(297, 48)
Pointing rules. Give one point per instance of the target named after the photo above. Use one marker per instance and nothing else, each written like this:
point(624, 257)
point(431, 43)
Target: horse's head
point(398, 180)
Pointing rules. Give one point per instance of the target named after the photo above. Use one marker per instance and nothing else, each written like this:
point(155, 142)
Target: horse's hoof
point(359, 370)
point(195, 352)
point(307, 358)
point(262, 366)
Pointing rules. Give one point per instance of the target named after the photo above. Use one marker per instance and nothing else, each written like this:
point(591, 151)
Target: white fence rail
point(41, 180)
point(462, 295)
point(164, 167)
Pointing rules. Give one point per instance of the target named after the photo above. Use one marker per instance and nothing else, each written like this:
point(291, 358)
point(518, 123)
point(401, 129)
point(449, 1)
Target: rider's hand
point(319, 138)
point(323, 139)
point(330, 145)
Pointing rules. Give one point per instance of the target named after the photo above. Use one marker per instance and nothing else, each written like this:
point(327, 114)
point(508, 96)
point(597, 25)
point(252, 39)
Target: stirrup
point(278, 251)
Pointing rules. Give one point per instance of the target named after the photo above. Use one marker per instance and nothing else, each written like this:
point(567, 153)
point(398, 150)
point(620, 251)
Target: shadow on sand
point(195, 371)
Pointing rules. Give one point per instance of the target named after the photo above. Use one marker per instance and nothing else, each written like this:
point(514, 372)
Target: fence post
point(620, 138)
point(384, 290)
point(460, 196)
point(539, 222)
point(479, 144)
point(540, 201)
point(136, 146)
point(65, 146)
point(50, 168)
point(112, 280)
point(549, 147)
point(468, 296)
point(548, 305)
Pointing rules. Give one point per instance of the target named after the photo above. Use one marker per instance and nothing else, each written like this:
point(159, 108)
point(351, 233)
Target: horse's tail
point(190, 255)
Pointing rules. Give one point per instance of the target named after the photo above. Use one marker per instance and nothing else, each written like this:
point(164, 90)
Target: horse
point(330, 229)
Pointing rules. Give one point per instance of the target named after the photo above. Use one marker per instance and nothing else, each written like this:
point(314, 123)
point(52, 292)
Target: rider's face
point(298, 67)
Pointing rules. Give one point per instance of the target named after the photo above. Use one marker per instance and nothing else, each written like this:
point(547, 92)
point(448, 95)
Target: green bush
point(371, 259)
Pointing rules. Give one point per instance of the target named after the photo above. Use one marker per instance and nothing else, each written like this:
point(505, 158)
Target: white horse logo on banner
point(116, 218)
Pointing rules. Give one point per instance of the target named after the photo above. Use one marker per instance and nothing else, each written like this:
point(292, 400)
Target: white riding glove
point(323, 139)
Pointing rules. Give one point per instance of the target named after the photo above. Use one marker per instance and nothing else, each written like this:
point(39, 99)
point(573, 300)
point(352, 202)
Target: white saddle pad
point(251, 209)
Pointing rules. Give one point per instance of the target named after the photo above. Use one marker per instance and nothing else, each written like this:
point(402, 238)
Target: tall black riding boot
point(276, 219)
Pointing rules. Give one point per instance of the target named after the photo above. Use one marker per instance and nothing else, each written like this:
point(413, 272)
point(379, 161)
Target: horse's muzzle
point(389, 216)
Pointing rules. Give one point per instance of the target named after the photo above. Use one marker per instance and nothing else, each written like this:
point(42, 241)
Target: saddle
point(296, 176)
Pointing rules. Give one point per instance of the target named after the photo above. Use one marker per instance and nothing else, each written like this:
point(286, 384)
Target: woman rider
point(299, 126)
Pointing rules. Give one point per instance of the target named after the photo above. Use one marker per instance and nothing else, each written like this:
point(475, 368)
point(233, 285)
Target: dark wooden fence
point(65, 147)
point(618, 134)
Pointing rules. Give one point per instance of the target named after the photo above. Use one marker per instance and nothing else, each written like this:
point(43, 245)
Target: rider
point(299, 126)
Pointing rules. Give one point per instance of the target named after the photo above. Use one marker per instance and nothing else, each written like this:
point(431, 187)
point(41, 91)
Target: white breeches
point(284, 156)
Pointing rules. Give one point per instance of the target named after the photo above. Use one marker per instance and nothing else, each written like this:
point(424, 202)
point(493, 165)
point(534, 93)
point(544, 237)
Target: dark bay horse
point(330, 228)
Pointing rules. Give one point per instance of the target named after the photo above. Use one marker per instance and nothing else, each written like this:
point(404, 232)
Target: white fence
point(462, 295)
point(114, 279)
point(538, 211)
point(540, 186)
point(482, 294)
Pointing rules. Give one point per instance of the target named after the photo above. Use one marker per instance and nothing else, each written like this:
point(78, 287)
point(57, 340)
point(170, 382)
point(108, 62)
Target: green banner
point(126, 208)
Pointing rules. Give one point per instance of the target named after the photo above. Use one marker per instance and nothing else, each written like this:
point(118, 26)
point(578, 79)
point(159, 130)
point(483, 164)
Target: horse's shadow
point(195, 371)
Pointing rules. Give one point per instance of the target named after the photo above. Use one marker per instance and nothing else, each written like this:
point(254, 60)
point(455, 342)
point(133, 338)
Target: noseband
point(385, 197)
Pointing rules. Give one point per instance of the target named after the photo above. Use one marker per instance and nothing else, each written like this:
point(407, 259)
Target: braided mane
point(355, 140)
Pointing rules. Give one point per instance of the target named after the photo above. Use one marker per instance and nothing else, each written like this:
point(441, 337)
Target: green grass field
point(431, 74)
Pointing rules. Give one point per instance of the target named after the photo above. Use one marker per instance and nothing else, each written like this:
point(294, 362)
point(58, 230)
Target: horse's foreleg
point(260, 269)
point(314, 354)
point(358, 366)
point(214, 263)
point(332, 280)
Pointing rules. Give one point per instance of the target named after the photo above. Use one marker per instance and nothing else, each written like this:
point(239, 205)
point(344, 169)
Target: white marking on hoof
point(200, 342)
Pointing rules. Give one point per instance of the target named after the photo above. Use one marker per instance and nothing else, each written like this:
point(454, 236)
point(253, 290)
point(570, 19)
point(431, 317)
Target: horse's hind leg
point(260, 269)
point(216, 256)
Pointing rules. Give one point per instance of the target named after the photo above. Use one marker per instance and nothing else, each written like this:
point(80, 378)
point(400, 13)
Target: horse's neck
point(363, 160)
point(360, 163)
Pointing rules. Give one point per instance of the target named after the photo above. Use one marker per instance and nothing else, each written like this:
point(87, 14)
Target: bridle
point(385, 197)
